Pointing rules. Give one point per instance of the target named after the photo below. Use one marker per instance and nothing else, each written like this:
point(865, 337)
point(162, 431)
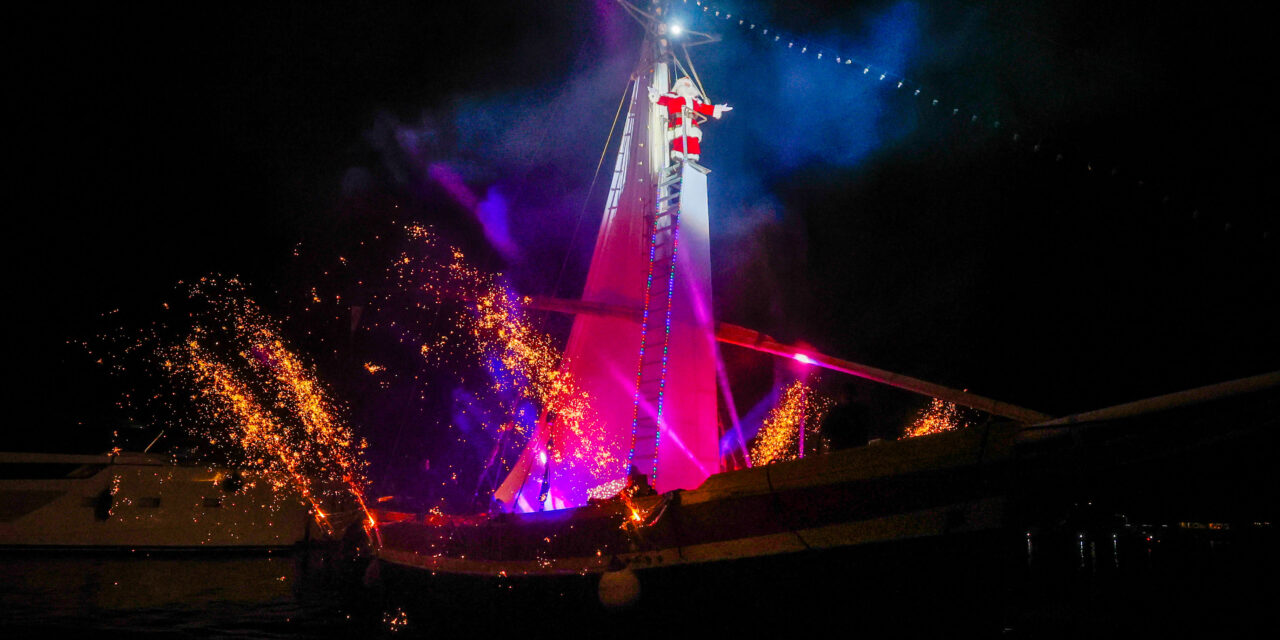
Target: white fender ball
point(619, 589)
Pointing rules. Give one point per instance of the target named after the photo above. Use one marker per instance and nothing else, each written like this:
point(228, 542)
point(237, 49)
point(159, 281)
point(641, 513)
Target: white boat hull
point(134, 501)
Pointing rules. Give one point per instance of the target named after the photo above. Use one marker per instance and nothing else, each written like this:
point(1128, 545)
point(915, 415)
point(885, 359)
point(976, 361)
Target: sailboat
point(639, 506)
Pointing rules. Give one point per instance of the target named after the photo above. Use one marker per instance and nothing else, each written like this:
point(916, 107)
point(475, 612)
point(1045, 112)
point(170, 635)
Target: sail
point(689, 449)
point(612, 359)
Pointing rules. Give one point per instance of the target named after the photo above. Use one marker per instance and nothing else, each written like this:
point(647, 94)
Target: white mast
point(650, 376)
point(658, 157)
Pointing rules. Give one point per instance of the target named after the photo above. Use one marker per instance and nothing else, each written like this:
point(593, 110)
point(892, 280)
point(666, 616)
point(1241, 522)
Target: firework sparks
point(522, 363)
point(800, 408)
point(277, 414)
point(395, 622)
point(257, 431)
point(633, 517)
point(260, 406)
point(607, 490)
point(938, 417)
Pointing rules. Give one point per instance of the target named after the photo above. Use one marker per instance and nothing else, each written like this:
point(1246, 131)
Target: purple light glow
point(491, 212)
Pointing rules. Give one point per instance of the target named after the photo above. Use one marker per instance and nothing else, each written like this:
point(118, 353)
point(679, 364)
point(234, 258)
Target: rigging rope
point(693, 71)
point(587, 198)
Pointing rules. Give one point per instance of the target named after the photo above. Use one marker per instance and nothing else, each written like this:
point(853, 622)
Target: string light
point(674, 229)
point(904, 82)
point(644, 333)
point(666, 338)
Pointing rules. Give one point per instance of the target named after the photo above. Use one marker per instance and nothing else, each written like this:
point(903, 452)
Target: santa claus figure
point(682, 102)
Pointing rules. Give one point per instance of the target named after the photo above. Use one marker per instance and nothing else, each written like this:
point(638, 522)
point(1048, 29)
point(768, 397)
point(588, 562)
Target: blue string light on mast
point(644, 334)
point(666, 338)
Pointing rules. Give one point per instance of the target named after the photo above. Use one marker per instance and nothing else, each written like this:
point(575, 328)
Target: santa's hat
point(682, 83)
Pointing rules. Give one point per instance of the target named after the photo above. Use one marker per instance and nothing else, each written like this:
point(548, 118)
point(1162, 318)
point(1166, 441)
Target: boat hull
point(882, 585)
point(130, 501)
point(994, 525)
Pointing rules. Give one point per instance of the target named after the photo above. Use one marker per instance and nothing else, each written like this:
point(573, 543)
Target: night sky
point(1134, 253)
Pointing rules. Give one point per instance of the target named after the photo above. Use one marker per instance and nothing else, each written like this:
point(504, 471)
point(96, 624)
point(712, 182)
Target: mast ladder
point(655, 327)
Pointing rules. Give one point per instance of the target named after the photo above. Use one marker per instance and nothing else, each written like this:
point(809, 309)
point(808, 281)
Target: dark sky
point(166, 142)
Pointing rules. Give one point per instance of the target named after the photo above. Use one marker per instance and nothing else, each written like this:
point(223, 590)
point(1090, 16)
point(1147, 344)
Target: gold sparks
point(256, 429)
point(522, 362)
point(534, 369)
point(607, 490)
point(264, 402)
point(800, 408)
point(938, 417)
point(635, 515)
point(395, 622)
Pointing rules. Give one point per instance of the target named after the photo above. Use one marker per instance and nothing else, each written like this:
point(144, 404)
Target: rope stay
point(586, 199)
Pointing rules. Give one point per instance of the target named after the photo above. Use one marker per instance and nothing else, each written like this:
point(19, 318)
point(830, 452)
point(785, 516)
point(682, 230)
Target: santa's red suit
point(685, 142)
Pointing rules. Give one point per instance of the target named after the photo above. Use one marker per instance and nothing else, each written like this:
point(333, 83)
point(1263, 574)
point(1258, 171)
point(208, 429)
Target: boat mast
point(651, 379)
point(658, 157)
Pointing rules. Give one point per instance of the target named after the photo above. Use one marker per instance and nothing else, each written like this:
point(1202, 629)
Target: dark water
point(281, 595)
point(1078, 583)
